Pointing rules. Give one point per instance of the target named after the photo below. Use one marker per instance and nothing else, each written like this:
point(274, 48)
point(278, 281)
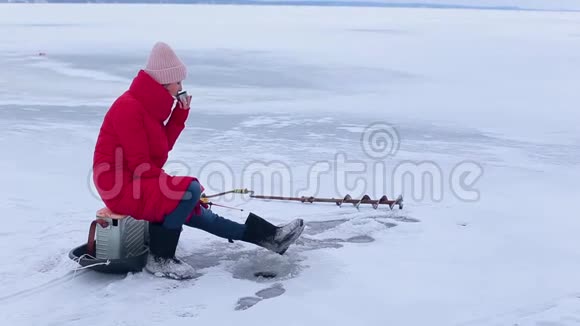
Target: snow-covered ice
point(485, 102)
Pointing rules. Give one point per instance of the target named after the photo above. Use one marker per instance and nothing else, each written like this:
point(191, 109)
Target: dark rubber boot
point(275, 238)
point(162, 261)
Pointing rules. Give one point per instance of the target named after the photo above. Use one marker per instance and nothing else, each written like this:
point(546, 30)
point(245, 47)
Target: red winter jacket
point(132, 147)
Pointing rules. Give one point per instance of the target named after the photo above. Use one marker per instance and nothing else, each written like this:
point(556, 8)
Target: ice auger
point(366, 199)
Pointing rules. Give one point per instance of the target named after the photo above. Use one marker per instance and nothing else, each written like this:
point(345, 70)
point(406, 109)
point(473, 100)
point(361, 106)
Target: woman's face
point(173, 88)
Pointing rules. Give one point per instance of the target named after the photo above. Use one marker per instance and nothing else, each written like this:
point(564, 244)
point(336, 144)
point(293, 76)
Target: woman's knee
point(194, 191)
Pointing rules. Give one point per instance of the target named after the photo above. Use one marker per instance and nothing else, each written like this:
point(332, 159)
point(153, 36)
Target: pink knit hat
point(164, 66)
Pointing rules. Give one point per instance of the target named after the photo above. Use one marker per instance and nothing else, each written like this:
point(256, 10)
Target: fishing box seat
point(116, 244)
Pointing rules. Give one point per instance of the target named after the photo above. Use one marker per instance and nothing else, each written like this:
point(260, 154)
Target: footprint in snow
point(273, 291)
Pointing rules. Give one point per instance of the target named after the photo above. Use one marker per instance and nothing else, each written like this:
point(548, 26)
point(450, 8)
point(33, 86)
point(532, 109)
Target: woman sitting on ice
point(131, 149)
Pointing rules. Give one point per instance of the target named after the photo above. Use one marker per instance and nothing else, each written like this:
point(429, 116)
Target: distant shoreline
point(307, 3)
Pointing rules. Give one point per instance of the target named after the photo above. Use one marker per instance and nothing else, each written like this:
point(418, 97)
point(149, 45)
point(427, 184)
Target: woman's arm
point(175, 125)
point(129, 125)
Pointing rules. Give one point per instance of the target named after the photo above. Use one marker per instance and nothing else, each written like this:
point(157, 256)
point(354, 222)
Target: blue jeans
point(207, 221)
